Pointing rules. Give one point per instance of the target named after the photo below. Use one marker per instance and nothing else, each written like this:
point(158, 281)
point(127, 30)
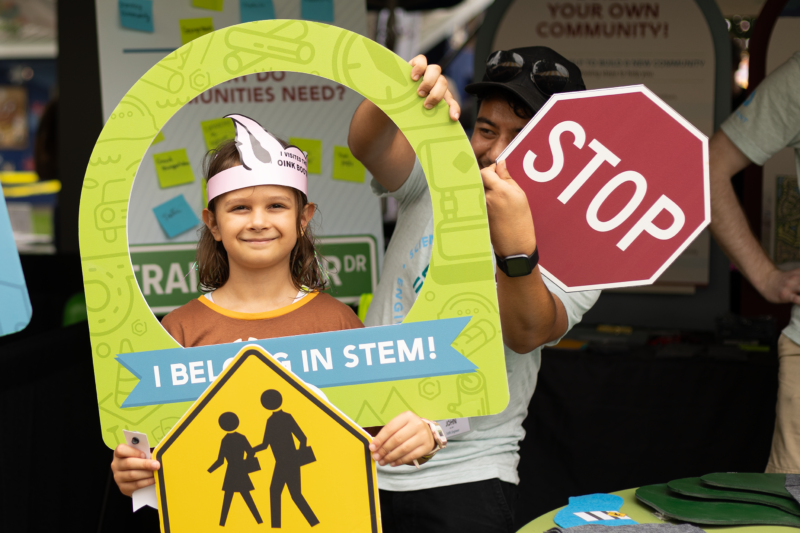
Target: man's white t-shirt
point(767, 122)
point(489, 450)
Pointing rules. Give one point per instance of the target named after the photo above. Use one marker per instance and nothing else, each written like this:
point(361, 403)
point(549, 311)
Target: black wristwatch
point(515, 266)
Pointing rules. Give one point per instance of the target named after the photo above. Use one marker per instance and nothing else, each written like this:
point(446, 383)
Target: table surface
point(643, 514)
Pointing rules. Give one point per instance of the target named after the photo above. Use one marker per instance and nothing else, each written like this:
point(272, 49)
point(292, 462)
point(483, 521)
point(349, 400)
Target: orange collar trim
point(257, 316)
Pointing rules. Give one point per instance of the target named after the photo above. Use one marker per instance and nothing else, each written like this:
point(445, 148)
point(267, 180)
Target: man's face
point(495, 128)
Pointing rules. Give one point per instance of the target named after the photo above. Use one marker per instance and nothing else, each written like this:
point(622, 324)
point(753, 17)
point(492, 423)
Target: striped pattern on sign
point(594, 516)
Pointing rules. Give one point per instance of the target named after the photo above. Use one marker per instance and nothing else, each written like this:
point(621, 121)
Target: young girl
point(256, 256)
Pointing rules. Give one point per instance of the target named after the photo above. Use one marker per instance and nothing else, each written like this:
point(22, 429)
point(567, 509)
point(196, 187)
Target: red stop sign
point(618, 186)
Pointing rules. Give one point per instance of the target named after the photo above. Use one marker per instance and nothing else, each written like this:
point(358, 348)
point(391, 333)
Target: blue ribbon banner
point(350, 357)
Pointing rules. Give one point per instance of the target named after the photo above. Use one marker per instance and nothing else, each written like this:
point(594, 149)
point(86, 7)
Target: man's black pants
point(483, 506)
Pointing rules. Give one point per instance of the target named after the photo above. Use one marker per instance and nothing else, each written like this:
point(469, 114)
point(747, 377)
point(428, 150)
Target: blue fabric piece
point(594, 509)
point(15, 311)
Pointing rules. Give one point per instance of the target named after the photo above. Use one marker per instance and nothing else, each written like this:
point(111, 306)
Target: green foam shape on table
point(460, 279)
point(768, 483)
point(694, 486)
point(718, 513)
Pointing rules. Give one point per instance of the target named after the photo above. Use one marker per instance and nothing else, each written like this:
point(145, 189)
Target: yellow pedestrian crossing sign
point(260, 450)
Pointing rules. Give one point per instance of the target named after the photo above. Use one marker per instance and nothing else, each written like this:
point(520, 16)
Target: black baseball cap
point(533, 74)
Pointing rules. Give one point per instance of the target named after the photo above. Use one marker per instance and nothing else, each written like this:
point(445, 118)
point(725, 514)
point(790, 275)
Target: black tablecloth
point(607, 422)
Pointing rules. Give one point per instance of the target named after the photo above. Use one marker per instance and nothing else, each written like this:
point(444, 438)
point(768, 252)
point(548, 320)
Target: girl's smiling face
point(258, 226)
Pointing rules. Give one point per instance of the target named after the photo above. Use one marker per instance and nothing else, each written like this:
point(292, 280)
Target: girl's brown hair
point(212, 259)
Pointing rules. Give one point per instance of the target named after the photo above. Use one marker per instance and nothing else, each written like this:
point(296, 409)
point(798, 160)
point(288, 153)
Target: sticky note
point(158, 138)
point(319, 10)
point(136, 14)
point(252, 10)
point(214, 5)
point(191, 29)
point(204, 185)
point(173, 168)
point(175, 216)
point(346, 167)
point(217, 130)
point(314, 149)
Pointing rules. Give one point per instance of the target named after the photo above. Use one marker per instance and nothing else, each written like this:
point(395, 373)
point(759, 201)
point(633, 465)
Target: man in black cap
point(471, 484)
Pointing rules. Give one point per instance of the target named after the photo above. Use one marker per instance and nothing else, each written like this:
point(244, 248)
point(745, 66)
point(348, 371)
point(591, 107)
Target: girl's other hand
point(405, 438)
point(131, 470)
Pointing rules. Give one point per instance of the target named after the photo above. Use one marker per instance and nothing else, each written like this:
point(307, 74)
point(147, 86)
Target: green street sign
point(352, 266)
point(167, 278)
point(165, 274)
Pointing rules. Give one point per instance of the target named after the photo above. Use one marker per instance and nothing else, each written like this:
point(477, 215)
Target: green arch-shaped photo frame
point(460, 281)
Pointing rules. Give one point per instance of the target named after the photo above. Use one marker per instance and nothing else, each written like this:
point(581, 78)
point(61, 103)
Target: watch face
point(518, 266)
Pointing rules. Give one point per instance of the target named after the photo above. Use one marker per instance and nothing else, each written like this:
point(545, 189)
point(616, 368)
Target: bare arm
point(731, 230)
point(378, 143)
point(529, 313)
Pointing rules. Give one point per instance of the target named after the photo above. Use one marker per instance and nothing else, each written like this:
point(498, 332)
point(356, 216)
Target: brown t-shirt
point(201, 322)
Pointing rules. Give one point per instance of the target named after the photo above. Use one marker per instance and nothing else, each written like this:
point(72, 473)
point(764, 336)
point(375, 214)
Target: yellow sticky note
point(191, 29)
point(173, 168)
point(314, 149)
point(158, 139)
point(346, 167)
point(204, 185)
point(215, 5)
point(216, 131)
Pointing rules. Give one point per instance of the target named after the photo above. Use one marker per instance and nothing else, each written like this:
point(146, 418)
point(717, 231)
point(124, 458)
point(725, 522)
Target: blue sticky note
point(252, 10)
point(595, 509)
point(175, 216)
point(319, 10)
point(136, 14)
point(15, 312)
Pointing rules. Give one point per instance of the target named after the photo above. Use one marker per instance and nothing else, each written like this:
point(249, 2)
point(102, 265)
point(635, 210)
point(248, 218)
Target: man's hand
point(131, 470)
point(377, 142)
point(434, 86)
point(731, 230)
point(529, 314)
point(405, 438)
point(510, 220)
point(780, 287)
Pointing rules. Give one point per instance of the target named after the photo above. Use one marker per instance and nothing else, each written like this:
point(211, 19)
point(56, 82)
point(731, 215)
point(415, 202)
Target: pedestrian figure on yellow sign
point(288, 459)
point(241, 458)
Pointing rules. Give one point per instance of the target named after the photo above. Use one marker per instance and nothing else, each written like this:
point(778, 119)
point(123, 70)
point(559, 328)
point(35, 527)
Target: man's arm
point(265, 443)
point(295, 429)
point(529, 313)
point(377, 142)
point(731, 231)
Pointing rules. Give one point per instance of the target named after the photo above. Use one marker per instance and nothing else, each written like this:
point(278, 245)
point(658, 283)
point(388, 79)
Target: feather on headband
point(264, 162)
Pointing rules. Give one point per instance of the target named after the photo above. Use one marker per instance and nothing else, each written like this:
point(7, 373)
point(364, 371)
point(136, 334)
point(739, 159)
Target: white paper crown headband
point(264, 162)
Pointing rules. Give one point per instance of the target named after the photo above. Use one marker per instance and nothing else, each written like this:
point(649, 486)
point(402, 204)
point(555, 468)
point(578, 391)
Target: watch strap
point(439, 438)
point(533, 260)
